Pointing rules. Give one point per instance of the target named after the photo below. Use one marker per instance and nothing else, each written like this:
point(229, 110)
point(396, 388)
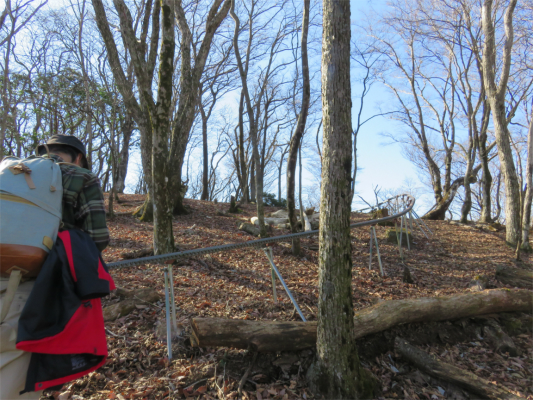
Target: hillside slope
point(237, 285)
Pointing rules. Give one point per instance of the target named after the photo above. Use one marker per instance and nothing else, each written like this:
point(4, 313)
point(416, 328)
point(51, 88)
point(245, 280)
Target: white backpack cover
point(31, 193)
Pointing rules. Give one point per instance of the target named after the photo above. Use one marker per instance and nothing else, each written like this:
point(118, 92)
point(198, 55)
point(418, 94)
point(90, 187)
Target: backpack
point(31, 194)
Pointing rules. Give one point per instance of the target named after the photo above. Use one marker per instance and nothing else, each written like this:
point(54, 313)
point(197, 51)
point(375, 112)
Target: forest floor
point(237, 285)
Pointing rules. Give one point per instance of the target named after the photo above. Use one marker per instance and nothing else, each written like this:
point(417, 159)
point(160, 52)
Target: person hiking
point(83, 209)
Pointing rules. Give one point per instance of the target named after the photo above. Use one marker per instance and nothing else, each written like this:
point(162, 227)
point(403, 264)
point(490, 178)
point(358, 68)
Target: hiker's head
point(69, 148)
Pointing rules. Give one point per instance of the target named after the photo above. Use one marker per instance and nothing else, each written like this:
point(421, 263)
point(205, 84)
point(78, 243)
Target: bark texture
point(450, 373)
point(528, 198)
point(262, 336)
point(299, 131)
point(337, 372)
point(496, 93)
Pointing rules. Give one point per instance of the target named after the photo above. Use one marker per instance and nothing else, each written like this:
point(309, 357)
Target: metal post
point(273, 276)
point(377, 251)
point(274, 292)
point(172, 301)
point(167, 308)
point(370, 258)
point(420, 227)
point(401, 230)
point(398, 238)
point(268, 252)
point(427, 227)
point(406, 232)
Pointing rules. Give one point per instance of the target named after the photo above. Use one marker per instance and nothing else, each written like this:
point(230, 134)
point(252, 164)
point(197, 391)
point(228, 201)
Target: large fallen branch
point(260, 336)
point(516, 277)
point(450, 373)
point(279, 336)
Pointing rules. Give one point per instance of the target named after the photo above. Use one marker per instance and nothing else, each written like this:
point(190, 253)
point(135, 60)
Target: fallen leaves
point(238, 285)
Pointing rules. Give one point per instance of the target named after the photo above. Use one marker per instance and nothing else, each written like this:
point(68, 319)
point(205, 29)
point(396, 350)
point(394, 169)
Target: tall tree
point(299, 131)
point(337, 372)
point(496, 93)
point(528, 198)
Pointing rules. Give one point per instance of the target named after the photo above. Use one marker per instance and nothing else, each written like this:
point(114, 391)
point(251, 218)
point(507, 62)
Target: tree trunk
point(337, 372)
point(526, 213)
point(486, 184)
point(161, 167)
point(256, 167)
point(439, 212)
point(122, 167)
point(496, 96)
point(450, 373)
point(299, 131)
point(205, 172)
point(271, 336)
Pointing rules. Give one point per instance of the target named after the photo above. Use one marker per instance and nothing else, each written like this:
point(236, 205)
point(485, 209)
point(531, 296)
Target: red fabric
point(64, 379)
point(103, 274)
point(84, 333)
point(65, 237)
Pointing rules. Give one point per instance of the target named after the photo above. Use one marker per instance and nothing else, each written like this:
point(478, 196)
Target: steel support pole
point(172, 301)
point(370, 258)
point(407, 232)
point(427, 227)
point(401, 231)
point(398, 238)
point(420, 227)
point(167, 309)
point(274, 292)
point(377, 251)
point(268, 252)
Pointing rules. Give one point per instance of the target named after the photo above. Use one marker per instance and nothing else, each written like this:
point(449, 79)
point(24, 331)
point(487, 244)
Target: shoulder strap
point(12, 286)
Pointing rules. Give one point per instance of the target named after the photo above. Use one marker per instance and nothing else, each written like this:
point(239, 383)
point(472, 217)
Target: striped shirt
point(83, 202)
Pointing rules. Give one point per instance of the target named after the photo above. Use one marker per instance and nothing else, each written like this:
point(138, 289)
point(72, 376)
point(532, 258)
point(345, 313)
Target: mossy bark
point(336, 372)
point(145, 212)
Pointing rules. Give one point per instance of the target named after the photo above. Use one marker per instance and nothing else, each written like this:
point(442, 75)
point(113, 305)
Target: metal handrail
point(259, 243)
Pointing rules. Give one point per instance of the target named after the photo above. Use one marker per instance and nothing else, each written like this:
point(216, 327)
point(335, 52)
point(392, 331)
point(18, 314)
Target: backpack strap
point(11, 290)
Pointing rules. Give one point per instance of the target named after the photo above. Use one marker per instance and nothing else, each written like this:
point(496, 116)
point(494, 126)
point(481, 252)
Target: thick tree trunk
point(439, 212)
point(299, 131)
point(496, 95)
point(450, 373)
point(526, 210)
point(336, 372)
point(277, 336)
point(161, 167)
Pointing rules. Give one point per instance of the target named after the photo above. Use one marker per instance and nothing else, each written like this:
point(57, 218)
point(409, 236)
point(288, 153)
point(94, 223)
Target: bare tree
point(18, 13)
point(295, 143)
point(496, 92)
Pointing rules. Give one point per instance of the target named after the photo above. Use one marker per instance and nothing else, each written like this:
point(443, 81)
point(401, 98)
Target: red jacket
point(62, 324)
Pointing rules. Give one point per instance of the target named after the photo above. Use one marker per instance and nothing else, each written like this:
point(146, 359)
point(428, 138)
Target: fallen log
point(450, 373)
point(516, 277)
point(289, 335)
point(262, 336)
